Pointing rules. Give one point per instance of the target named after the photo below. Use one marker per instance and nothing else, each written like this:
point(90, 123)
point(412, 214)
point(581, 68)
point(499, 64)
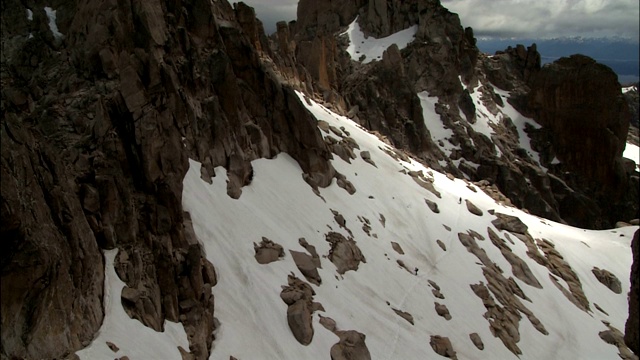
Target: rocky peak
point(580, 102)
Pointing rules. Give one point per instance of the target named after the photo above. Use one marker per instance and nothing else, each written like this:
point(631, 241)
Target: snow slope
point(279, 205)
point(372, 48)
point(632, 152)
point(130, 336)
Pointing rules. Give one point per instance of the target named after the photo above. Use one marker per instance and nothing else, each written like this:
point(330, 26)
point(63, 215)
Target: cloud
point(549, 18)
point(272, 11)
point(513, 18)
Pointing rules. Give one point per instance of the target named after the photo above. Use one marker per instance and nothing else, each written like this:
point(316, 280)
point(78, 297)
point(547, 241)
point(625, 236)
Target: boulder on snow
point(473, 208)
point(299, 296)
point(344, 253)
point(608, 279)
point(442, 346)
point(307, 266)
point(397, 248)
point(509, 223)
point(351, 346)
point(442, 310)
point(433, 206)
point(477, 341)
point(267, 251)
point(405, 315)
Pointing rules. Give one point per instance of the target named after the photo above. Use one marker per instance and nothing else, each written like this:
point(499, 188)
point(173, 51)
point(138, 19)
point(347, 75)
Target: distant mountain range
point(619, 54)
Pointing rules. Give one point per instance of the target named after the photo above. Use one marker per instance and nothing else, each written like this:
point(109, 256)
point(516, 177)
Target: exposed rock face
point(50, 253)
point(443, 60)
point(586, 121)
point(97, 127)
point(350, 347)
point(405, 315)
point(632, 332)
point(607, 279)
point(344, 253)
point(305, 263)
point(477, 341)
point(580, 101)
point(267, 251)
point(298, 295)
point(442, 346)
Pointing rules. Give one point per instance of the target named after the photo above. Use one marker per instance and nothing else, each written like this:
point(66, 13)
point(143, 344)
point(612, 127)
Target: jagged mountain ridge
point(144, 94)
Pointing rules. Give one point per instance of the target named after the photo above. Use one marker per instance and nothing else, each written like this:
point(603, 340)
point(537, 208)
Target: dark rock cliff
point(97, 126)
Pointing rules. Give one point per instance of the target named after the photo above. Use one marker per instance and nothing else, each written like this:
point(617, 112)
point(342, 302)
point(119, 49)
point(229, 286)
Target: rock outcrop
point(298, 295)
point(350, 347)
point(344, 253)
point(98, 123)
point(585, 121)
point(580, 102)
point(267, 251)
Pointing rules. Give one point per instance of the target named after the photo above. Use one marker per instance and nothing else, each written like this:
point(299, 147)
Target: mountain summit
point(362, 184)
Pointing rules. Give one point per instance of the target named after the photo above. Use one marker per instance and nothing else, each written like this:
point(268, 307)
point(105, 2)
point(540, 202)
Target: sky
point(514, 18)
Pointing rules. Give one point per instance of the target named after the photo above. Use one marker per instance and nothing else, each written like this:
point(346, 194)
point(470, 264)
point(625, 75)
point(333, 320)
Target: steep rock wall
point(97, 126)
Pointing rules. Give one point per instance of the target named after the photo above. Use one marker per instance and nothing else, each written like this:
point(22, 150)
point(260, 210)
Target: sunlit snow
point(281, 206)
point(632, 152)
point(372, 48)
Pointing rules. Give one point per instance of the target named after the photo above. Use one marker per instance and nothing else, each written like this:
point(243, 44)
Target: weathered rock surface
point(351, 346)
point(344, 253)
point(307, 266)
point(397, 248)
point(509, 223)
point(585, 120)
point(267, 251)
point(560, 268)
point(473, 208)
point(607, 279)
point(442, 310)
point(615, 337)
point(442, 346)
point(298, 295)
point(97, 127)
point(476, 340)
point(632, 327)
point(405, 315)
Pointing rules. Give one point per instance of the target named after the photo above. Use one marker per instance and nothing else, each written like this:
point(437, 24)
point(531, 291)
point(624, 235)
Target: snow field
point(279, 205)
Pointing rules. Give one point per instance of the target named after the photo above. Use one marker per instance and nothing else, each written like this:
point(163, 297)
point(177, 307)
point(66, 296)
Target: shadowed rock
point(442, 346)
point(344, 253)
point(397, 248)
point(351, 346)
point(405, 315)
point(473, 208)
point(509, 223)
point(267, 251)
point(476, 340)
point(442, 310)
point(298, 295)
point(433, 206)
point(307, 266)
point(607, 279)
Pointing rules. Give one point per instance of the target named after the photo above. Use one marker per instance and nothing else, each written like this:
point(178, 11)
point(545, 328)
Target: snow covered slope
point(632, 152)
point(372, 48)
point(428, 273)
